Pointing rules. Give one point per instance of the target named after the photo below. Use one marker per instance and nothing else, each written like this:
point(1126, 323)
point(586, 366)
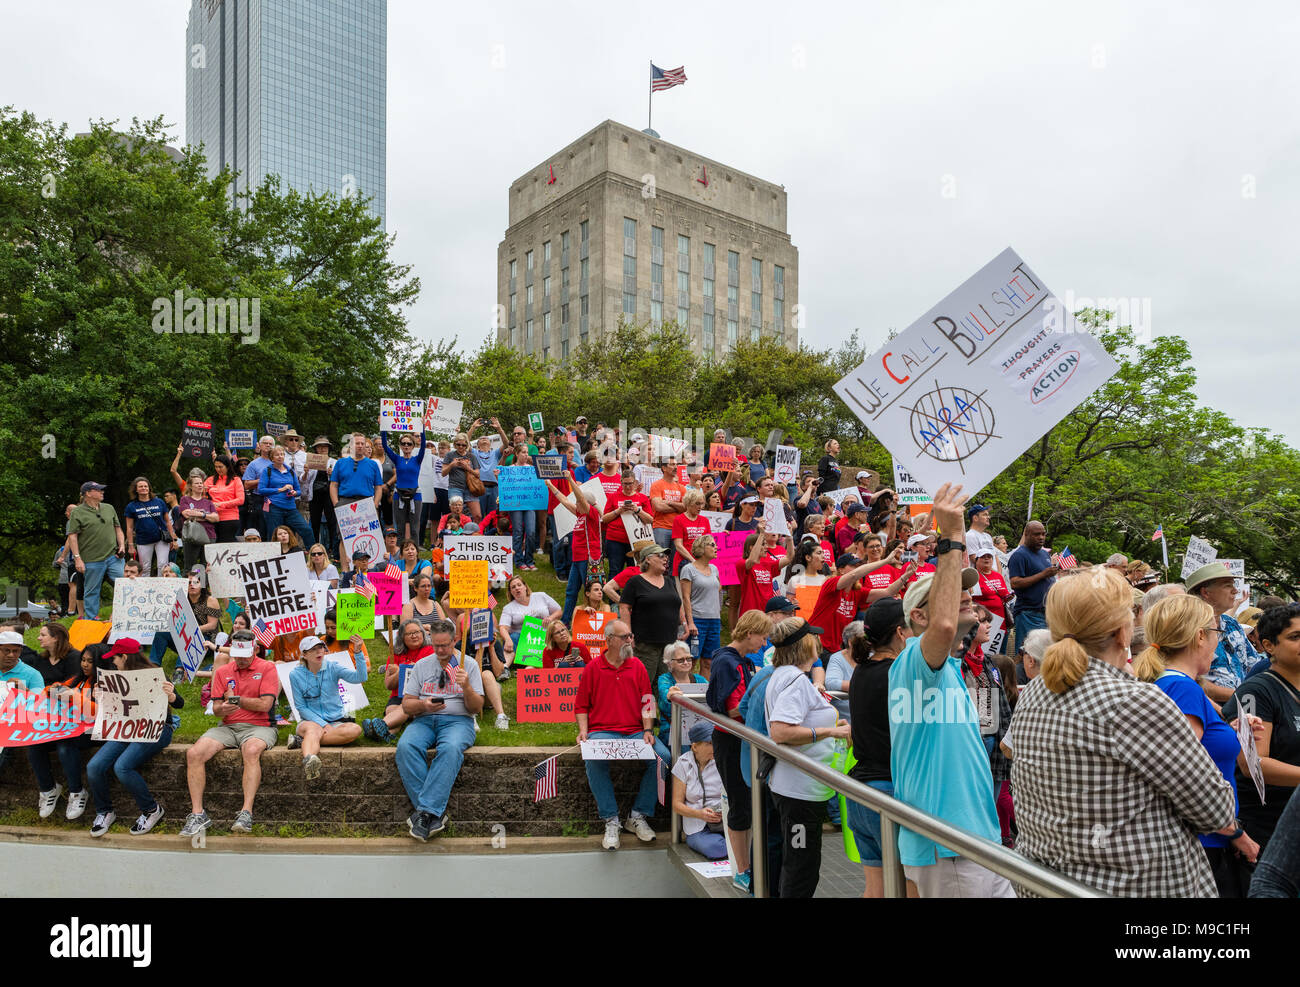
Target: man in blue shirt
point(1031, 574)
point(254, 497)
point(357, 477)
point(13, 669)
point(1234, 656)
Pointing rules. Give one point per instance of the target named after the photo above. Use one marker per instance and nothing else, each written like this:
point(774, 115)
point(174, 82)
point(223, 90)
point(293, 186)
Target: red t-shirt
point(625, 576)
point(551, 655)
point(613, 486)
point(835, 610)
point(585, 542)
point(616, 530)
point(756, 583)
point(408, 658)
point(921, 571)
point(258, 680)
point(564, 486)
point(992, 594)
point(688, 530)
point(613, 697)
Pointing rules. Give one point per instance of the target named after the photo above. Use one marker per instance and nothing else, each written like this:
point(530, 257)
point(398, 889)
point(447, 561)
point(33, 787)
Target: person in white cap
point(315, 685)
point(923, 546)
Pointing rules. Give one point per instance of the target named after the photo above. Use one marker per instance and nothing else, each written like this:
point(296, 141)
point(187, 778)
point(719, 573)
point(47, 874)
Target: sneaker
point(743, 882)
point(379, 730)
point(102, 821)
point(504, 676)
point(368, 728)
point(77, 803)
point(610, 842)
point(503, 722)
point(311, 767)
point(243, 822)
point(636, 824)
point(48, 800)
point(294, 742)
point(195, 823)
point(146, 823)
point(439, 824)
point(418, 823)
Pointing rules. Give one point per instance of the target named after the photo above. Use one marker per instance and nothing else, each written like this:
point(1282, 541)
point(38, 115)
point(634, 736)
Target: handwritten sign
point(731, 546)
point(442, 416)
point(241, 438)
point(196, 440)
point(787, 464)
point(143, 606)
point(617, 749)
point(774, 515)
point(532, 642)
point(401, 414)
point(535, 422)
point(1246, 737)
point(359, 529)
point(390, 593)
point(717, 520)
point(275, 429)
point(469, 583)
point(589, 629)
point(907, 489)
point(355, 614)
point(496, 550)
point(997, 631)
point(1199, 553)
point(28, 718)
point(481, 627)
point(132, 706)
point(520, 489)
point(186, 635)
point(316, 461)
point(649, 475)
point(639, 532)
point(545, 695)
point(838, 497)
point(1235, 567)
point(595, 494)
point(277, 591)
point(722, 456)
point(966, 388)
point(224, 560)
point(550, 467)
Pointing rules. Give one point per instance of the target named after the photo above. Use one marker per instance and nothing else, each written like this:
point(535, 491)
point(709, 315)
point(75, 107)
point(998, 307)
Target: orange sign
point(806, 597)
point(589, 629)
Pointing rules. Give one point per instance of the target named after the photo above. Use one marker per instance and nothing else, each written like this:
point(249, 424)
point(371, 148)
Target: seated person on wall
point(315, 685)
point(442, 695)
point(697, 795)
point(412, 645)
point(243, 695)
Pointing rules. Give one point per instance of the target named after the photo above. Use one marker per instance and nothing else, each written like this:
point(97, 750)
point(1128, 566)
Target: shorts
point(232, 735)
point(393, 701)
point(865, 824)
point(957, 877)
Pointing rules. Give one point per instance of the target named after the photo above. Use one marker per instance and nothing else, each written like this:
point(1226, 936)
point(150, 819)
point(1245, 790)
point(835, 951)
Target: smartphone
point(908, 557)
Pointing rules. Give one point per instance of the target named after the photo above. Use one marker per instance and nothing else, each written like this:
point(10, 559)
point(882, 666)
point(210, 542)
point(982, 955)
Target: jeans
point(70, 756)
point(801, 828)
point(162, 640)
point(647, 796)
point(112, 567)
point(865, 824)
point(710, 636)
point(406, 516)
point(1026, 621)
point(523, 525)
point(150, 556)
point(1277, 874)
point(618, 554)
point(428, 786)
point(561, 550)
point(124, 760)
point(323, 523)
point(573, 591)
point(290, 517)
point(709, 844)
point(488, 502)
point(664, 538)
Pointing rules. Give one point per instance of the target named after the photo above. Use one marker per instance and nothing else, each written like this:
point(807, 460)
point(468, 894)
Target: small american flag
point(661, 79)
point(393, 572)
point(659, 777)
point(1160, 532)
point(1065, 560)
point(264, 634)
point(544, 779)
point(364, 588)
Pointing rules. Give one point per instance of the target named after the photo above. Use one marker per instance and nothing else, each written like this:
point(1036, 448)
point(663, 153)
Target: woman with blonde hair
point(1182, 634)
point(1109, 783)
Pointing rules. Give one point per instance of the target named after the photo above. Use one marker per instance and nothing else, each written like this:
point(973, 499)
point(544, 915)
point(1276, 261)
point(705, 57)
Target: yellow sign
point(469, 583)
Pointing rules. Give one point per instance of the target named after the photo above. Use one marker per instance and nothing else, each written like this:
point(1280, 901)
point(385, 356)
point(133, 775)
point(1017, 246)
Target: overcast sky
point(1150, 153)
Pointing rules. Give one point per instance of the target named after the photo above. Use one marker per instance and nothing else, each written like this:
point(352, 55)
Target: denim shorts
point(865, 824)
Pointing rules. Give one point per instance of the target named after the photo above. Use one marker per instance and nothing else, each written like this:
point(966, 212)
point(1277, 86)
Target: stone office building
point(621, 224)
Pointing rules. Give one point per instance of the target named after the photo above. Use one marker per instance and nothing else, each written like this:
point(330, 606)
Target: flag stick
point(650, 98)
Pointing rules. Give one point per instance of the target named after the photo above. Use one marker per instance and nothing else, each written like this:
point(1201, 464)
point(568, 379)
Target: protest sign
point(142, 606)
point(390, 593)
point(241, 438)
point(589, 629)
point(225, 559)
point(496, 550)
point(689, 718)
point(1199, 553)
point(546, 695)
point(316, 461)
point(1236, 567)
point(322, 598)
point(786, 469)
point(532, 642)
point(997, 631)
point(351, 694)
point(806, 599)
point(196, 441)
point(617, 749)
point(84, 632)
point(277, 591)
point(535, 422)
point(774, 515)
point(186, 635)
point(469, 583)
point(442, 416)
point(650, 475)
point(839, 496)
point(275, 429)
point(731, 546)
point(965, 389)
point(550, 467)
point(28, 718)
point(722, 456)
point(520, 489)
point(401, 415)
point(355, 614)
point(907, 489)
point(664, 447)
point(717, 520)
point(639, 533)
point(1246, 738)
point(131, 707)
point(481, 627)
point(595, 494)
point(359, 529)
point(683, 475)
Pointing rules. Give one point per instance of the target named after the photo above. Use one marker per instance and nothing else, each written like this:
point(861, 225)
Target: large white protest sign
point(131, 706)
point(1199, 553)
point(278, 591)
point(717, 520)
point(595, 494)
point(442, 416)
point(496, 550)
point(224, 559)
point(322, 598)
point(774, 515)
point(142, 606)
point(965, 389)
point(648, 476)
point(351, 694)
point(617, 749)
point(639, 533)
point(838, 496)
point(786, 469)
point(359, 530)
point(907, 489)
point(996, 633)
point(186, 635)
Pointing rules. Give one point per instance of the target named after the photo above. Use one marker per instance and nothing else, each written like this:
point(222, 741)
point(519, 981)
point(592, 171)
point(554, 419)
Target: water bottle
point(694, 642)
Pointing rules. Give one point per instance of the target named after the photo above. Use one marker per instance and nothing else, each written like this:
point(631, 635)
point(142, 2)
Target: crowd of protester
point(912, 651)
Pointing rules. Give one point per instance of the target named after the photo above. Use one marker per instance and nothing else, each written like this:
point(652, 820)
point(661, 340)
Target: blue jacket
point(729, 669)
point(273, 481)
point(407, 467)
point(316, 696)
point(753, 708)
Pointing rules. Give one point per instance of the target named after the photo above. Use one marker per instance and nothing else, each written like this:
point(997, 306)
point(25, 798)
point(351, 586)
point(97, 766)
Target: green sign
point(356, 615)
point(532, 641)
point(535, 422)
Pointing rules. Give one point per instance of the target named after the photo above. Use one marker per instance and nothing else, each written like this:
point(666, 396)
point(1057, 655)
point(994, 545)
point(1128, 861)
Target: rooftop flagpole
point(650, 97)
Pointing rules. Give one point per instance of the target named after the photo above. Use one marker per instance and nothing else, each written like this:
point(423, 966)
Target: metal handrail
point(1039, 880)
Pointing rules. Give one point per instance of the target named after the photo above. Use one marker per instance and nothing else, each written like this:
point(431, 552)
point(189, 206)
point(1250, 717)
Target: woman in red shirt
point(993, 591)
point(562, 651)
point(688, 526)
point(628, 500)
point(412, 645)
point(585, 543)
point(758, 569)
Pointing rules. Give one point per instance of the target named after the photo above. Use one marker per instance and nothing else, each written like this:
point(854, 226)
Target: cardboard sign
point(241, 438)
point(520, 489)
point(143, 606)
point(316, 461)
point(535, 422)
point(908, 490)
point(1199, 553)
point(225, 559)
point(786, 470)
point(496, 550)
point(401, 415)
point(774, 515)
point(469, 583)
point(997, 631)
point(481, 627)
point(731, 545)
point(639, 533)
point(546, 695)
point(278, 591)
point(617, 749)
point(532, 642)
point(196, 440)
point(359, 529)
point(649, 476)
point(390, 593)
point(322, 598)
point(275, 429)
point(965, 389)
point(131, 707)
point(28, 718)
point(595, 494)
point(355, 614)
point(442, 416)
point(186, 636)
point(351, 694)
point(722, 456)
point(589, 629)
point(550, 467)
point(717, 520)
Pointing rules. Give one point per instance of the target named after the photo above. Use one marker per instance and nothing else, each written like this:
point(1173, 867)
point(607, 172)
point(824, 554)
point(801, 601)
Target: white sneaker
point(48, 800)
point(610, 842)
point(636, 824)
point(146, 823)
point(102, 821)
point(503, 722)
point(77, 803)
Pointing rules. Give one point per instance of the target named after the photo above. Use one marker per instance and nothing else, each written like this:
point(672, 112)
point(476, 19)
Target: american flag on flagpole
point(264, 634)
point(659, 777)
point(393, 572)
point(544, 779)
point(1064, 560)
point(1160, 532)
point(661, 79)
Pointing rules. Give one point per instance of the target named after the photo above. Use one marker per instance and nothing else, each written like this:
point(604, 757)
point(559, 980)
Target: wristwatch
point(948, 545)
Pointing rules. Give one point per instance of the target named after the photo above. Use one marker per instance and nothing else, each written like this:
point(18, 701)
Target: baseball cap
point(11, 637)
point(863, 475)
point(780, 604)
point(90, 485)
point(983, 552)
point(916, 540)
point(647, 551)
point(853, 508)
point(847, 561)
point(919, 592)
point(580, 418)
point(360, 553)
point(883, 615)
point(241, 649)
point(750, 500)
point(389, 531)
point(122, 646)
point(252, 533)
point(309, 642)
point(975, 509)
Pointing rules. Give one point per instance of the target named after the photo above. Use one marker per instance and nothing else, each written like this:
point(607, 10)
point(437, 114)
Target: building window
point(546, 288)
point(708, 259)
point(514, 269)
point(683, 292)
point(546, 254)
point(564, 281)
point(564, 350)
point(733, 267)
point(584, 232)
point(564, 242)
point(629, 267)
point(733, 329)
point(629, 303)
point(512, 337)
point(707, 338)
point(528, 297)
point(528, 261)
point(656, 312)
point(513, 298)
point(528, 336)
point(564, 314)
point(583, 269)
point(778, 316)
point(629, 228)
point(683, 253)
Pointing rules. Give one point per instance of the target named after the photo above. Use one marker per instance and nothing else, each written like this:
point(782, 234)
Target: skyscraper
point(290, 88)
point(623, 224)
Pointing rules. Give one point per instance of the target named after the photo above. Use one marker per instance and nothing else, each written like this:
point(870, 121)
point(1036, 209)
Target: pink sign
point(28, 718)
point(731, 546)
point(388, 597)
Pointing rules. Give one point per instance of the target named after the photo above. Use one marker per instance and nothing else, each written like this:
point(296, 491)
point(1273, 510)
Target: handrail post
point(758, 838)
point(674, 740)
point(890, 862)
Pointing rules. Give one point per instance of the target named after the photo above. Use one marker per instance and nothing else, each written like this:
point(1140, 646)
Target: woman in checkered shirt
point(1111, 786)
